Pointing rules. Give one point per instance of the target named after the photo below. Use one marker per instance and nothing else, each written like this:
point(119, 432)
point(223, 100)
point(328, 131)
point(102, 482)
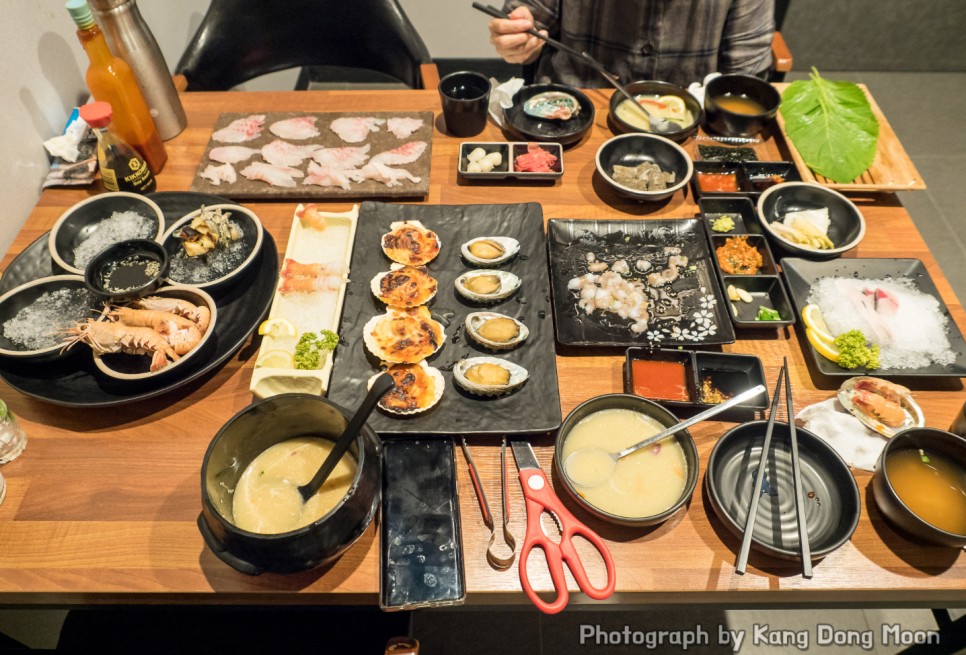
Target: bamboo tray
point(891, 170)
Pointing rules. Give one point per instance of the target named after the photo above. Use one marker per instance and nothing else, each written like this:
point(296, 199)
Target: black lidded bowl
point(832, 505)
point(891, 505)
point(643, 406)
point(655, 87)
point(564, 132)
point(81, 221)
point(729, 123)
point(245, 436)
point(103, 267)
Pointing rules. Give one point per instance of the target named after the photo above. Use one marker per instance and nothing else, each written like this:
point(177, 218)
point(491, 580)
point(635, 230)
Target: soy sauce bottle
point(122, 168)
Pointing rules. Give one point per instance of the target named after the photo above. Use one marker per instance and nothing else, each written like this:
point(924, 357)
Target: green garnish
point(313, 347)
point(832, 126)
point(923, 457)
point(854, 351)
point(768, 314)
point(723, 224)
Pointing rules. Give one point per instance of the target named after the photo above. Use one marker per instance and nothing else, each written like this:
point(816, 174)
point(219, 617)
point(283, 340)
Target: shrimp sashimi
point(326, 176)
point(310, 217)
point(310, 284)
point(274, 175)
point(355, 129)
point(342, 158)
point(292, 268)
point(298, 128)
point(231, 154)
point(283, 153)
point(403, 128)
point(241, 130)
point(404, 154)
point(218, 174)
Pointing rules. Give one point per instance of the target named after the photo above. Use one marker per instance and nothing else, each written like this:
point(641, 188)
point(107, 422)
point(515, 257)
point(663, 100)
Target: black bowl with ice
point(221, 266)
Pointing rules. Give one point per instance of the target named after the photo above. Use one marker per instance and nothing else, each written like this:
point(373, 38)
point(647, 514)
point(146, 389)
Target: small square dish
point(664, 376)
point(730, 254)
point(717, 178)
point(513, 159)
point(724, 375)
point(741, 211)
point(761, 175)
point(765, 291)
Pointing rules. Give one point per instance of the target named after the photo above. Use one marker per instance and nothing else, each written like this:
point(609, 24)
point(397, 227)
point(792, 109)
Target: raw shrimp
point(198, 314)
point(110, 337)
point(310, 284)
point(292, 268)
point(180, 332)
point(311, 217)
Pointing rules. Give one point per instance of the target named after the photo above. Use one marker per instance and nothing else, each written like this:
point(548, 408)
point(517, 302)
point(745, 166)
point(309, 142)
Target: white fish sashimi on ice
point(343, 158)
point(403, 128)
point(404, 154)
point(231, 154)
point(241, 130)
point(283, 153)
point(298, 128)
point(379, 172)
point(218, 174)
point(327, 176)
point(275, 175)
point(355, 129)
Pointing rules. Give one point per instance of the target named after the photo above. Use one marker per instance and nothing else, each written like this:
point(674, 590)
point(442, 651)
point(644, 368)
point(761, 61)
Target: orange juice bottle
point(110, 79)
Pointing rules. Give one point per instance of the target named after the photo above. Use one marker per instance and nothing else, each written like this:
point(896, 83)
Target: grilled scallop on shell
point(404, 286)
point(417, 388)
point(403, 336)
point(410, 243)
point(496, 331)
point(489, 376)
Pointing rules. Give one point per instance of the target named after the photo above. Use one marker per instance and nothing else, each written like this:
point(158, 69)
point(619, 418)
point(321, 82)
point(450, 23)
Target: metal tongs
point(657, 124)
point(498, 562)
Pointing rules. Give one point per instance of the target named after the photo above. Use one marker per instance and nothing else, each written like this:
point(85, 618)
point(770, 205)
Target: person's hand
point(511, 40)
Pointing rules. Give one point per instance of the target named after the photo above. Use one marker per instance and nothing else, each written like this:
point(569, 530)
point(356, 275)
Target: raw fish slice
point(403, 128)
point(355, 129)
point(404, 154)
point(283, 153)
point(881, 333)
point(218, 174)
point(274, 175)
point(231, 154)
point(342, 158)
point(326, 176)
point(379, 172)
point(241, 130)
point(302, 127)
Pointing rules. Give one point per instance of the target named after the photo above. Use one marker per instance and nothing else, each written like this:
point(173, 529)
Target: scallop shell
point(375, 285)
point(518, 376)
point(476, 320)
point(555, 105)
point(914, 415)
point(412, 256)
point(438, 386)
point(508, 284)
point(420, 317)
point(506, 246)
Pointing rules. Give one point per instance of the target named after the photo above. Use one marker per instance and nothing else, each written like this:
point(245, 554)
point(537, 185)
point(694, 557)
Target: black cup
point(465, 96)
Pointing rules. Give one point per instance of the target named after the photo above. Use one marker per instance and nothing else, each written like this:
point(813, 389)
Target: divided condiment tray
point(751, 178)
point(509, 151)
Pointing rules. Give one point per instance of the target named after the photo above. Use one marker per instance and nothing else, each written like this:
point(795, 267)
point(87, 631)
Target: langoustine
point(198, 314)
point(113, 337)
point(179, 332)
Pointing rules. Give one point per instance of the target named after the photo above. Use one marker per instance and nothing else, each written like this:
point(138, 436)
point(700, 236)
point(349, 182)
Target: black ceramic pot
point(729, 123)
point(249, 433)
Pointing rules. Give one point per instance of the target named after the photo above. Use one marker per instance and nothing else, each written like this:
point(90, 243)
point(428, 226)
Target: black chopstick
point(797, 476)
point(742, 562)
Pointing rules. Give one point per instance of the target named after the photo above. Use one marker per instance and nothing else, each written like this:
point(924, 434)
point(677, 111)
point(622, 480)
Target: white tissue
point(501, 97)
point(697, 88)
point(859, 446)
point(65, 145)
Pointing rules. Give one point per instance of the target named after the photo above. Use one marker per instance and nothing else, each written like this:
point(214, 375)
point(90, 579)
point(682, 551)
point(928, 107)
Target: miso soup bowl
point(891, 505)
point(729, 123)
point(636, 404)
point(248, 434)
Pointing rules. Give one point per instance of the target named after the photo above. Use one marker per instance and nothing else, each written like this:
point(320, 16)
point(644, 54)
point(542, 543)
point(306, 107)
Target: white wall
point(43, 73)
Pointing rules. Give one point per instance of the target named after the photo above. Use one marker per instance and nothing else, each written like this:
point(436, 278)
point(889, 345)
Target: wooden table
point(101, 507)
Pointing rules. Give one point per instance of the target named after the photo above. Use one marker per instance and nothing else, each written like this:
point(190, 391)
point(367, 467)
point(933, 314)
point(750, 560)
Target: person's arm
point(747, 36)
point(510, 38)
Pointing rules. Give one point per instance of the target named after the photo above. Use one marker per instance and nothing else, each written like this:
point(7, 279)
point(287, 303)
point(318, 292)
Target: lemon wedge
point(826, 348)
point(812, 316)
point(674, 104)
point(276, 359)
point(277, 328)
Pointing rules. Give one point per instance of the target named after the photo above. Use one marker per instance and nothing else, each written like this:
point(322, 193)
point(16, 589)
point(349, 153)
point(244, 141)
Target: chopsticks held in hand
point(760, 473)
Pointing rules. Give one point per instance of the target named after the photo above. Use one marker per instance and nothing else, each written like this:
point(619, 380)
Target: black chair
point(333, 41)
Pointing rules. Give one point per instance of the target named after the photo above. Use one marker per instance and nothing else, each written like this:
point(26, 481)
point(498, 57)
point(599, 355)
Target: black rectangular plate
point(535, 407)
point(569, 241)
point(801, 274)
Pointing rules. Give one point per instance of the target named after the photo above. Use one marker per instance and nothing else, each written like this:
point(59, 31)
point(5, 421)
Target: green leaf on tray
point(831, 125)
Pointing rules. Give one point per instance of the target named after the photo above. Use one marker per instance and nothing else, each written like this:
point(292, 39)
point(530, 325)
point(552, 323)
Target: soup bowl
point(248, 434)
point(891, 504)
point(647, 408)
point(658, 88)
point(728, 122)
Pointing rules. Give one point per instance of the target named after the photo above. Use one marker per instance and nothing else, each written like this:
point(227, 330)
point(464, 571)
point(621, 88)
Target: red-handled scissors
point(541, 498)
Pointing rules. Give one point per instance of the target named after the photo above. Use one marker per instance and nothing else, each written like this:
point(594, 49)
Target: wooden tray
point(378, 141)
point(891, 170)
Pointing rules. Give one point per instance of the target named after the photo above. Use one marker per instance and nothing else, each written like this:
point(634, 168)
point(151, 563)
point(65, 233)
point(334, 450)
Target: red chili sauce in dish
point(660, 380)
point(720, 182)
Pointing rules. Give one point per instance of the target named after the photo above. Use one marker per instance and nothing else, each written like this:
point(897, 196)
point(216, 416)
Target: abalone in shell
point(555, 105)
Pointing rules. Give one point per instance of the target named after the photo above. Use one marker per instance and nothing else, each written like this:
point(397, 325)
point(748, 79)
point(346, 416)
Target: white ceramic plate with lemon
point(307, 304)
